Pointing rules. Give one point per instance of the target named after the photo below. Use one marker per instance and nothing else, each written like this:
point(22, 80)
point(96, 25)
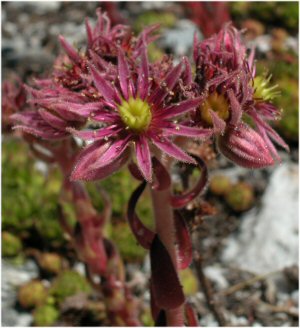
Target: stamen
point(263, 90)
point(216, 102)
point(136, 114)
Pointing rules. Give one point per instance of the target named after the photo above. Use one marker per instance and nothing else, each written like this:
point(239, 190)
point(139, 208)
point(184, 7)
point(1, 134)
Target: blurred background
point(246, 227)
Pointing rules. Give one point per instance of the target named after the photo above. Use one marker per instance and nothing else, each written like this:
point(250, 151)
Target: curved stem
point(164, 224)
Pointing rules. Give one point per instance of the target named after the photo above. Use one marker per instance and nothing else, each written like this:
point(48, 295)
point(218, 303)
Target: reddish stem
point(165, 229)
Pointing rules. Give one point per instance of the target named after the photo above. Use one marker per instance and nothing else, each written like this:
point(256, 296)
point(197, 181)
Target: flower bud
point(245, 147)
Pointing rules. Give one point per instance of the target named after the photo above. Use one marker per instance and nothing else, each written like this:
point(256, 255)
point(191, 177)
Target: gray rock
point(268, 239)
point(180, 38)
point(12, 278)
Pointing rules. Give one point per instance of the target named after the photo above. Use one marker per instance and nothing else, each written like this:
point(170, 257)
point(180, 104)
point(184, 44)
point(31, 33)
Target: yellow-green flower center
point(218, 104)
point(263, 90)
point(135, 113)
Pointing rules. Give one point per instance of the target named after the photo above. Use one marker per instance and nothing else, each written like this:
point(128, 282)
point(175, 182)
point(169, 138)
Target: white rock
point(268, 239)
point(216, 274)
point(183, 31)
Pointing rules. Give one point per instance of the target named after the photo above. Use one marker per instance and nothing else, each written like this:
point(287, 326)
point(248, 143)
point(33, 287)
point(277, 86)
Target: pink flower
point(53, 110)
point(135, 111)
point(226, 78)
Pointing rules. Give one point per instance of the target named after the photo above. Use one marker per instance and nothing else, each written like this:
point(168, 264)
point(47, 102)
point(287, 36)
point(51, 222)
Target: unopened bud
point(245, 147)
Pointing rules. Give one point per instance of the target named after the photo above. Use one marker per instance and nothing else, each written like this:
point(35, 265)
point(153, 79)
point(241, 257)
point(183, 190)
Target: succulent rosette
point(13, 101)
point(66, 98)
point(103, 41)
point(137, 111)
point(225, 75)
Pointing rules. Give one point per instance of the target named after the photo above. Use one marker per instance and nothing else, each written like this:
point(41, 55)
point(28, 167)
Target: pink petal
point(236, 111)
point(112, 153)
point(160, 93)
point(171, 149)
point(143, 235)
point(187, 73)
point(178, 109)
point(48, 132)
point(183, 238)
point(107, 91)
point(95, 134)
point(218, 123)
point(274, 135)
point(167, 291)
point(83, 169)
point(179, 201)
point(124, 76)
point(53, 120)
point(72, 53)
point(186, 131)
point(143, 157)
point(89, 33)
point(105, 117)
point(143, 78)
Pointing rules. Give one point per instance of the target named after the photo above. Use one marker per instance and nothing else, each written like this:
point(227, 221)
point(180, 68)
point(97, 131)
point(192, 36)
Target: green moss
point(240, 197)
point(283, 14)
point(189, 282)
point(120, 186)
point(45, 315)
point(165, 19)
point(124, 239)
point(23, 203)
point(32, 294)
point(68, 283)
point(146, 318)
point(11, 244)
point(288, 101)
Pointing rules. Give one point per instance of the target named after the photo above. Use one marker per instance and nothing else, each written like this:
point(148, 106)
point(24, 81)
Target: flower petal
point(124, 75)
point(53, 120)
point(160, 93)
point(143, 78)
point(89, 33)
point(186, 131)
point(218, 123)
point(143, 157)
point(178, 109)
point(112, 153)
point(95, 134)
point(236, 111)
point(171, 149)
point(108, 92)
point(83, 169)
point(71, 52)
